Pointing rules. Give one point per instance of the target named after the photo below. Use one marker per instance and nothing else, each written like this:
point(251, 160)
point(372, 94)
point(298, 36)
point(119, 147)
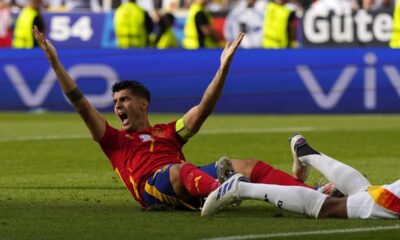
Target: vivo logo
point(331, 98)
point(36, 98)
point(325, 98)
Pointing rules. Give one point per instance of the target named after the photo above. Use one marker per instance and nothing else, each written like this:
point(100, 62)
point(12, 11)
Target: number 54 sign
point(61, 28)
point(83, 30)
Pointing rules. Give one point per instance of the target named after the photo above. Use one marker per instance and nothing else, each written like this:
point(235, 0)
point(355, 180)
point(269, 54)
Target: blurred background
point(298, 56)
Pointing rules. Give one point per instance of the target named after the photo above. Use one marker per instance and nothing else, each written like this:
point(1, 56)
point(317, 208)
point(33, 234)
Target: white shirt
point(249, 19)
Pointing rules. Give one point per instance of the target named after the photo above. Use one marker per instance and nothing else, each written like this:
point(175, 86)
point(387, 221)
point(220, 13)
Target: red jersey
point(136, 156)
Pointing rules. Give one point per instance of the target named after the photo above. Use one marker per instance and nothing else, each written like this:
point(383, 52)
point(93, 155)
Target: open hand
point(229, 50)
point(45, 44)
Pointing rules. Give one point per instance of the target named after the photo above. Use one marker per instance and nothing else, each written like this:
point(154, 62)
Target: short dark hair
point(135, 87)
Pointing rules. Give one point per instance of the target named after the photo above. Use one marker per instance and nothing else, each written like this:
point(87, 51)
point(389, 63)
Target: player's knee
point(244, 167)
point(174, 176)
point(333, 208)
point(175, 172)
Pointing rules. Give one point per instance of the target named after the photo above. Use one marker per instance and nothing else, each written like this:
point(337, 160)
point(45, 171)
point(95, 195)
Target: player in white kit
point(362, 200)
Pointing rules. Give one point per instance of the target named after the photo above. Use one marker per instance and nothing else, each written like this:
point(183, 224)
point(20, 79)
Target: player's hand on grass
point(229, 50)
point(45, 44)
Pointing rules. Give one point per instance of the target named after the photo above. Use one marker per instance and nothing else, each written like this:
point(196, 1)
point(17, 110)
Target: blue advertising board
point(260, 81)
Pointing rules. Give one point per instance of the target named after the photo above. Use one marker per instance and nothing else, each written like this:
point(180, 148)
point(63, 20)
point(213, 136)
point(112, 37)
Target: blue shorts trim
point(158, 188)
point(210, 169)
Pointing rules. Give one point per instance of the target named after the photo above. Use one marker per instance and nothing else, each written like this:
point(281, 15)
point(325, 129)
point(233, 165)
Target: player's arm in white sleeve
point(195, 117)
point(93, 119)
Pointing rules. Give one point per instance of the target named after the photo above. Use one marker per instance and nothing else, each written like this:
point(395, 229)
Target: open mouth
point(124, 118)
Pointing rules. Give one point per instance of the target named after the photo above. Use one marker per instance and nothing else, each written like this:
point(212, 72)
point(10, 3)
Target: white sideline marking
point(296, 234)
point(204, 132)
point(41, 138)
point(255, 130)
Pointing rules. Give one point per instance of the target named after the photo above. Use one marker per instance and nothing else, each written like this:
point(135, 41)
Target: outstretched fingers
point(235, 44)
point(228, 44)
point(35, 32)
point(39, 36)
point(230, 49)
point(45, 44)
point(238, 39)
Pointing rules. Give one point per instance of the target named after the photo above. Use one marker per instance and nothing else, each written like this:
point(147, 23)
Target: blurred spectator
point(167, 5)
point(218, 5)
point(247, 17)
point(82, 5)
point(305, 4)
point(115, 4)
point(56, 6)
point(28, 17)
point(152, 7)
point(147, 5)
point(5, 24)
point(68, 5)
point(18, 3)
point(198, 32)
point(214, 5)
point(132, 25)
point(395, 40)
point(280, 25)
point(377, 4)
point(158, 4)
point(165, 37)
point(185, 3)
point(106, 5)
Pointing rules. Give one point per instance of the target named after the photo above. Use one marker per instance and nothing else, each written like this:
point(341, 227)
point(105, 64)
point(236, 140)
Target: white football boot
point(299, 169)
point(225, 195)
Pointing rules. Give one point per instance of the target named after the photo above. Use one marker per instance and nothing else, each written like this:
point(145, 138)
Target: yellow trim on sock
point(153, 191)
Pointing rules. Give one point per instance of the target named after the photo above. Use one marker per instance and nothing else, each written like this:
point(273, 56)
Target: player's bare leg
point(244, 167)
point(333, 208)
point(176, 183)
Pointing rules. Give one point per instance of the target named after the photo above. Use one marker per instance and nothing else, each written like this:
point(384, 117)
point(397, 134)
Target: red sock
point(264, 173)
point(197, 182)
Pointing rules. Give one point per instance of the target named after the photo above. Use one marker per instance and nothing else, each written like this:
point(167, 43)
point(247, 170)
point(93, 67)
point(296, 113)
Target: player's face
point(130, 109)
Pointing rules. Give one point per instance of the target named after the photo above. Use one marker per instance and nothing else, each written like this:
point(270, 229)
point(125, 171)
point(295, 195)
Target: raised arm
point(196, 116)
point(93, 119)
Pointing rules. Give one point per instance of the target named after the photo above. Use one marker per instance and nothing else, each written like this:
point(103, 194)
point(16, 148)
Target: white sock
point(293, 198)
point(345, 178)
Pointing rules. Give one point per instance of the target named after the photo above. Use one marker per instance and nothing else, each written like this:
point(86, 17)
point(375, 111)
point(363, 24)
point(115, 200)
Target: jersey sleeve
point(181, 130)
point(109, 140)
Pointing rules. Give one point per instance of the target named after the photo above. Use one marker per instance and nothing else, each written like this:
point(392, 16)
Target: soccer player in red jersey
point(149, 159)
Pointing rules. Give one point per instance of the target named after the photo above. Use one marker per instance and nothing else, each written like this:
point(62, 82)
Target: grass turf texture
point(55, 183)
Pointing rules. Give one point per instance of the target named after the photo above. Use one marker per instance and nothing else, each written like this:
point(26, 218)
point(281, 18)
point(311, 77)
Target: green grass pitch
point(55, 183)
